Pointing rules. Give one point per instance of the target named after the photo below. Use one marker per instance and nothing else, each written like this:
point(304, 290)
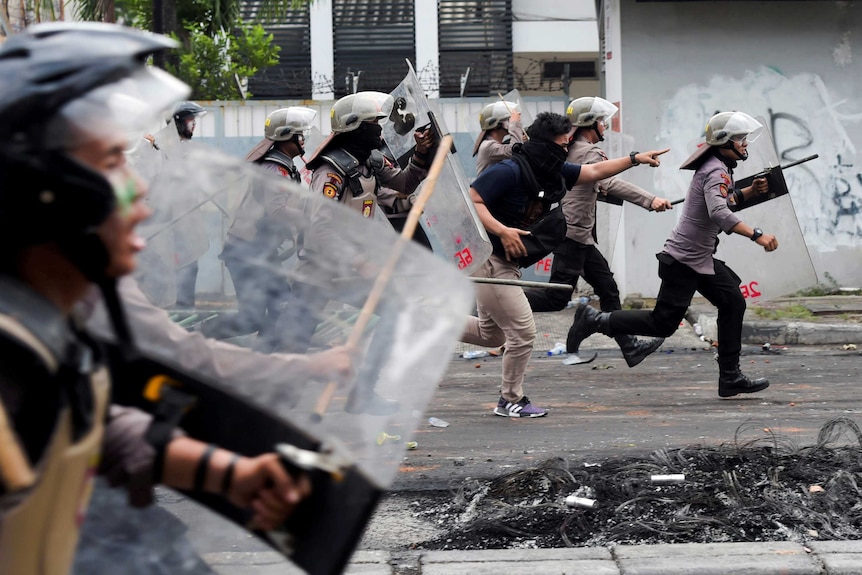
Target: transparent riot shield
point(450, 221)
point(337, 352)
point(788, 269)
point(176, 248)
point(515, 96)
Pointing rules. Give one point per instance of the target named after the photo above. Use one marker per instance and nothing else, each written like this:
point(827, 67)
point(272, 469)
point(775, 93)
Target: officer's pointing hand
point(651, 158)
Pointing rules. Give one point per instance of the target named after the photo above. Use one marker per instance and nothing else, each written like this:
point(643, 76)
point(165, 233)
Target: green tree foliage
point(215, 64)
point(219, 50)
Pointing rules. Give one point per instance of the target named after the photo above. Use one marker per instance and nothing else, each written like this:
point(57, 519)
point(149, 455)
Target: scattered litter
point(815, 489)
point(474, 354)
point(558, 349)
point(849, 347)
point(766, 346)
point(573, 501)
point(697, 329)
point(383, 437)
point(438, 422)
point(575, 359)
point(411, 445)
point(602, 366)
point(667, 479)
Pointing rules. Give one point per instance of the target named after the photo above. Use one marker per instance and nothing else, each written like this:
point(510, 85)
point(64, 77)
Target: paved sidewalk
point(817, 558)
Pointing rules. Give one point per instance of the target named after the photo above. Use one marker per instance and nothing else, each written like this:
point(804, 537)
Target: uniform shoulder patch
point(725, 177)
point(722, 188)
point(330, 190)
point(602, 153)
point(334, 178)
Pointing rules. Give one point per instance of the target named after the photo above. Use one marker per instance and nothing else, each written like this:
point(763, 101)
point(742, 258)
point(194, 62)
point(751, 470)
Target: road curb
point(788, 333)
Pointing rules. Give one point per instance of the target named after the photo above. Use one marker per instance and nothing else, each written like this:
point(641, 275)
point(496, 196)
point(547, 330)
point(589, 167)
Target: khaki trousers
point(504, 318)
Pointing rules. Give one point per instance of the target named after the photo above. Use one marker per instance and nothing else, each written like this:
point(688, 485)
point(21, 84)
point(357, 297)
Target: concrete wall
point(792, 63)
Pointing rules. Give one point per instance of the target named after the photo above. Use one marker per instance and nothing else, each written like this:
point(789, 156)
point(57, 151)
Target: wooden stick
point(389, 267)
point(505, 103)
point(15, 471)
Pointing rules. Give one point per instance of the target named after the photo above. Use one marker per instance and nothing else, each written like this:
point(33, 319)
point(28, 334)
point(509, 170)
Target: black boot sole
point(634, 359)
point(736, 391)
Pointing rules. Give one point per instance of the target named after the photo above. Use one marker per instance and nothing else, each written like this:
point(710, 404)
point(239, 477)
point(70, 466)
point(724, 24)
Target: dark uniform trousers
point(573, 260)
point(678, 284)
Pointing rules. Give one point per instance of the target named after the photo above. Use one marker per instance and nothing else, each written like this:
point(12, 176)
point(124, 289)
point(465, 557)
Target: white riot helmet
point(285, 123)
point(350, 111)
point(721, 131)
point(493, 115)
point(726, 126)
point(585, 112)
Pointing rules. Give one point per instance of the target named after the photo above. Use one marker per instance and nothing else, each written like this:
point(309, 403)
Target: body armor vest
point(40, 522)
point(280, 158)
point(359, 191)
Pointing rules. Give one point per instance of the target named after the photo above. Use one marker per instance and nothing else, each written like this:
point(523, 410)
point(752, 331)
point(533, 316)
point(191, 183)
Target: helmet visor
point(131, 107)
point(603, 111)
point(742, 126)
point(299, 120)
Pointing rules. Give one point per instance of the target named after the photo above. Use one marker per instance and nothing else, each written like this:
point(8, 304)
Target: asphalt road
point(597, 411)
point(606, 409)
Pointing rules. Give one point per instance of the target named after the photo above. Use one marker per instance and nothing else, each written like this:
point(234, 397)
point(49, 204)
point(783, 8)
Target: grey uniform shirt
point(706, 212)
point(579, 203)
point(491, 151)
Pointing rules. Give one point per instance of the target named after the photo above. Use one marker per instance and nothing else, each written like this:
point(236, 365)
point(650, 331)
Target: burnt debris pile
point(761, 489)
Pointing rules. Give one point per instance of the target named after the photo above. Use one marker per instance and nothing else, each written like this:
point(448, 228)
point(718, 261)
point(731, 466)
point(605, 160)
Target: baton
point(386, 272)
point(763, 174)
point(522, 283)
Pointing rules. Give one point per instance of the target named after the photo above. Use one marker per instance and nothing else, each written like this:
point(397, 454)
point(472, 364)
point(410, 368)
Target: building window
point(371, 39)
point(582, 70)
point(290, 78)
point(475, 35)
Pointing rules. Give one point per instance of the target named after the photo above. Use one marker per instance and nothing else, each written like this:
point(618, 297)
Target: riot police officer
point(259, 228)
point(687, 263)
point(497, 121)
point(69, 205)
point(284, 139)
point(579, 256)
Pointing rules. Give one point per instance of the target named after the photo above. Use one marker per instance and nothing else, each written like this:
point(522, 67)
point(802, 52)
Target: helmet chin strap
point(595, 128)
point(730, 146)
point(91, 256)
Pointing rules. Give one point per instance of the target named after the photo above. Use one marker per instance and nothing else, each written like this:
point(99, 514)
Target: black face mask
point(363, 140)
point(546, 160)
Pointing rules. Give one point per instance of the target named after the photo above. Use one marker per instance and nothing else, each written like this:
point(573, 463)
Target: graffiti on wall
point(804, 120)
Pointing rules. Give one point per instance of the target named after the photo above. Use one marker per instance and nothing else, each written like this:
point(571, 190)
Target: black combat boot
point(635, 350)
point(731, 381)
point(588, 320)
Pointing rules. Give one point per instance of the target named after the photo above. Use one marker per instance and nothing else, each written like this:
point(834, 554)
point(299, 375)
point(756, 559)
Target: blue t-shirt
point(504, 194)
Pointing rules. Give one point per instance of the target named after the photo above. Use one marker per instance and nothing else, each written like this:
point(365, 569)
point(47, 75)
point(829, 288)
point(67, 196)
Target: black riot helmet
point(183, 112)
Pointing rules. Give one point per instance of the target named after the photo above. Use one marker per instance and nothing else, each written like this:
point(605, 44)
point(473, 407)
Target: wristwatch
point(757, 233)
point(633, 159)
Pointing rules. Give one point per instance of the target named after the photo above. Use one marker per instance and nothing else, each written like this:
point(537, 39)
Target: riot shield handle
point(386, 272)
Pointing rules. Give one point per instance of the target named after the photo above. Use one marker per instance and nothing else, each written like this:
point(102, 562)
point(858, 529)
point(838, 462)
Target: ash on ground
point(764, 490)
